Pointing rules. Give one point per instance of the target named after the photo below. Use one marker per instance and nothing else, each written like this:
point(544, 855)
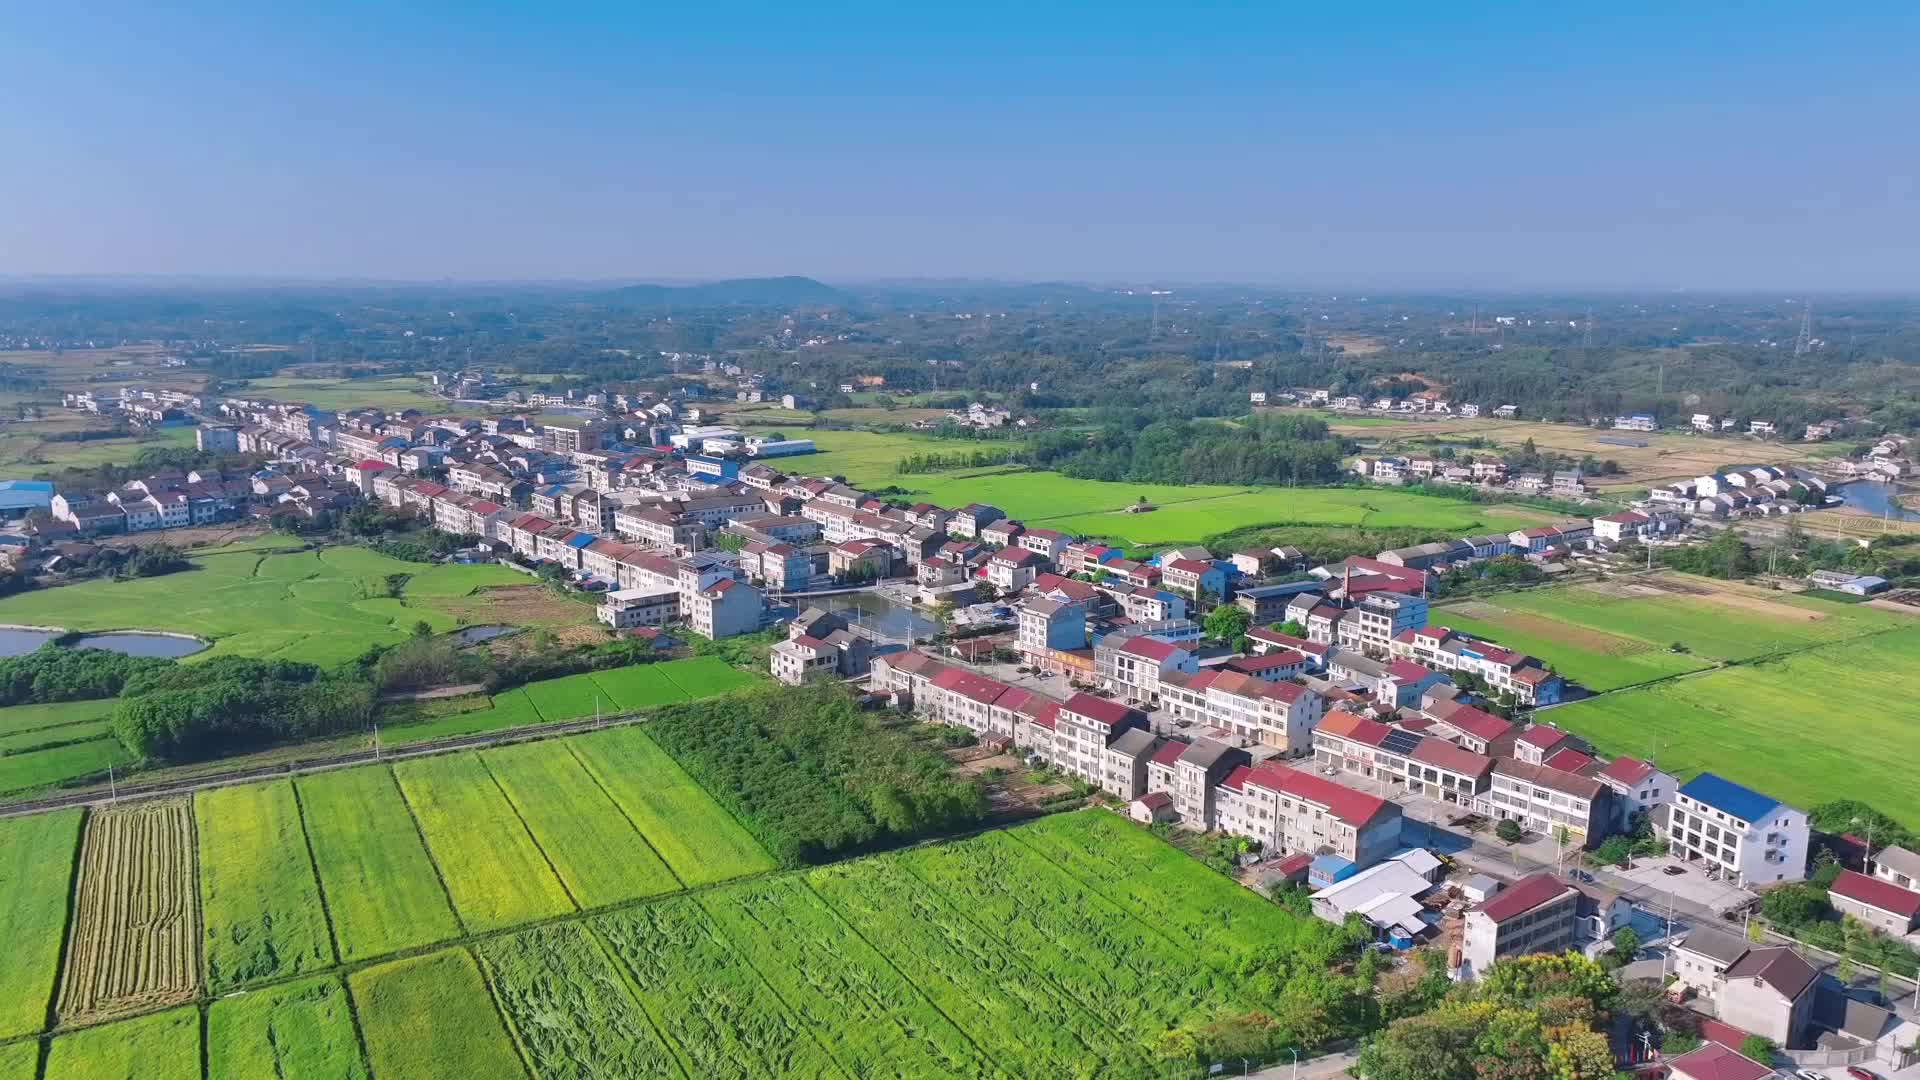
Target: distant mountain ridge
point(789, 291)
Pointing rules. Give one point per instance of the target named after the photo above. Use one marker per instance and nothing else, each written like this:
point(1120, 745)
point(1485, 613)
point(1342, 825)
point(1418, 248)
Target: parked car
point(1673, 871)
point(1858, 1073)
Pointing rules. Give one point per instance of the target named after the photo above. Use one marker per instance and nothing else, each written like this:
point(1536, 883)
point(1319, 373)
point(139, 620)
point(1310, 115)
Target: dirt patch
point(1576, 637)
point(527, 605)
point(1730, 595)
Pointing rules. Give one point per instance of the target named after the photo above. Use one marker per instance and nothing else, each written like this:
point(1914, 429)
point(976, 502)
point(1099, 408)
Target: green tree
point(1508, 830)
point(1226, 623)
point(1626, 944)
point(1759, 1048)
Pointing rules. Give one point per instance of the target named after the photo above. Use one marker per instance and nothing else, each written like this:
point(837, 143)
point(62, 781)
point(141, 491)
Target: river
point(1874, 497)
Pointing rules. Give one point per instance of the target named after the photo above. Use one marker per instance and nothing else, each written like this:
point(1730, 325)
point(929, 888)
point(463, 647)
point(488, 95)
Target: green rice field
point(383, 893)
point(259, 902)
point(36, 863)
point(1097, 508)
point(383, 392)
point(492, 867)
point(700, 844)
point(1064, 946)
point(302, 1028)
point(431, 1016)
point(1805, 728)
point(162, 1046)
point(597, 853)
point(323, 607)
point(1622, 633)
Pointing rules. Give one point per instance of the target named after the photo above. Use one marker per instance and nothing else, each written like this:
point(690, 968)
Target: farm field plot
point(1805, 728)
point(164, 1046)
point(1154, 881)
point(45, 738)
point(509, 710)
point(568, 698)
point(381, 889)
point(869, 1018)
point(31, 769)
point(19, 1061)
point(36, 865)
point(491, 866)
point(261, 908)
point(18, 719)
point(1593, 658)
point(1113, 964)
point(695, 835)
point(697, 985)
point(704, 676)
point(570, 1008)
point(321, 607)
point(600, 857)
point(640, 686)
point(300, 1029)
point(430, 1017)
point(1014, 1014)
point(132, 943)
point(1713, 619)
point(389, 392)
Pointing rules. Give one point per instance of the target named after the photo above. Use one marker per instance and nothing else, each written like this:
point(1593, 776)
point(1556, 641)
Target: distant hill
point(737, 292)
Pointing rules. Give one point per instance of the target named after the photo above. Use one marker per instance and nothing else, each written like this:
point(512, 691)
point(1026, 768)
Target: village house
point(1536, 914)
point(1880, 904)
point(1132, 666)
point(1751, 838)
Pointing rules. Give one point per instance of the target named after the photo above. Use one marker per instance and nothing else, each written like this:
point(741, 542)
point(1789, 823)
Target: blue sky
point(1514, 146)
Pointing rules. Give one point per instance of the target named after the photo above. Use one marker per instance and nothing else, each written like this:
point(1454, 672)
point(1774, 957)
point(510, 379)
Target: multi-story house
point(1194, 577)
point(1897, 865)
point(723, 609)
point(659, 528)
point(1751, 838)
point(1132, 666)
point(1537, 914)
point(1123, 769)
point(1046, 625)
point(781, 567)
point(1637, 786)
point(1191, 774)
point(1372, 624)
point(1546, 800)
point(1049, 543)
point(1289, 809)
point(1281, 715)
point(630, 609)
point(1880, 904)
point(971, 518)
point(1084, 727)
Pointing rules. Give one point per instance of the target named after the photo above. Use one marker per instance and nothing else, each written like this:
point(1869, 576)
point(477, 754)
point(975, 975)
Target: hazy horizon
point(1507, 148)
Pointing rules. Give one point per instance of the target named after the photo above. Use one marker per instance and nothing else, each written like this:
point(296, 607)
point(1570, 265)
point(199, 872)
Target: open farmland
point(19, 1061)
point(430, 1017)
point(36, 865)
point(391, 392)
point(850, 996)
point(571, 1008)
point(258, 898)
point(1621, 632)
point(382, 891)
point(1096, 508)
point(164, 1046)
point(701, 842)
point(700, 988)
point(132, 944)
point(493, 870)
point(1806, 728)
point(29, 770)
point(641, 686)
point(300, 1029)
point(600, 857)
point(322, 607)
point(704, 676)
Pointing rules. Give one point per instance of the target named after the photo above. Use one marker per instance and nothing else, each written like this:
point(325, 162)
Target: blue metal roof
point(1728, 797)
point(580, 540)
point(43, 486)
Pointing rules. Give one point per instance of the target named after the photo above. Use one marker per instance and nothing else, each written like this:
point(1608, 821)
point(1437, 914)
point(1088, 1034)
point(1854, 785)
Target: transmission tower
point(1803, 344)
point(1586, 332)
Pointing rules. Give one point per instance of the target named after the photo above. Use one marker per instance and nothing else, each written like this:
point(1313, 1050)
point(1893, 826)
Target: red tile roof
point(970, 686)
point(1169, 753)
point(1873, 892)
point(1626, 770)
point(1351, 807)
point(1716, 1061)
point(1410, 671)
point(1099, 709)
point(1444, 755)
point(1151, 648)
point(1354, 727)
point(1188, 566)
point(1477, 723)
point(1542, 736)
point(1280, 658)
point(1155, 800)
point(1523, 896)
point(1569, 760)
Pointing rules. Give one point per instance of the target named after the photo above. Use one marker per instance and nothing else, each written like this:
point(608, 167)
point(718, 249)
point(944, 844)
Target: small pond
point(876, 612)
point(474, 635)
point(131, 642)
point(1875, 497)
